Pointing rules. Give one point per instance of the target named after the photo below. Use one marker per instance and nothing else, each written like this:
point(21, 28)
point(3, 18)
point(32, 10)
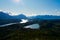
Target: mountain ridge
point(5, 18)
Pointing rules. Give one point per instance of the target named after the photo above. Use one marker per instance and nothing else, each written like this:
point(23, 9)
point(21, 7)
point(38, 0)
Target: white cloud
point(33, 13)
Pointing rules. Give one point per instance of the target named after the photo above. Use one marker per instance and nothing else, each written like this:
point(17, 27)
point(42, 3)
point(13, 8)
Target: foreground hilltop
point(49, 30)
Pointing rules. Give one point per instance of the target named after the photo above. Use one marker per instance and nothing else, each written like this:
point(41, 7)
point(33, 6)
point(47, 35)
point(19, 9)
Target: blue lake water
point(34, 26)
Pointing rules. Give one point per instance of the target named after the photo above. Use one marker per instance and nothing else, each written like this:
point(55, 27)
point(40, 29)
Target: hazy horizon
point(31, 7)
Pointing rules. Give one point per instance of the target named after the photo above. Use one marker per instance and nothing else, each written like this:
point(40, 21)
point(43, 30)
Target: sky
point(31, 7)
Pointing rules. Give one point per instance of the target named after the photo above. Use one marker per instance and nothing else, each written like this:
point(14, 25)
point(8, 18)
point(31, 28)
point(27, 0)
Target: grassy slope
point(46, 33)
point(29, 34)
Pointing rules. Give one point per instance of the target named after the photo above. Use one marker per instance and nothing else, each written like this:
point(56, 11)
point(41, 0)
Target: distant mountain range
point(45, 17)
point(5, 18)
point(4, 15)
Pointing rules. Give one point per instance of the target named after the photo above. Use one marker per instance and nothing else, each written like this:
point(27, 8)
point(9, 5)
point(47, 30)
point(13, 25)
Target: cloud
point(54, 12)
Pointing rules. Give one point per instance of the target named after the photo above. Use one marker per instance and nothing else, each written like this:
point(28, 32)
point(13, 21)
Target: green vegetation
point(48, 30)
point(30, 34)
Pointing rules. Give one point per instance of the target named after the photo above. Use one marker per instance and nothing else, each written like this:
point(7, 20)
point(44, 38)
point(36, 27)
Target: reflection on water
point(7, 24)
point(34, 26)
point(24, 21)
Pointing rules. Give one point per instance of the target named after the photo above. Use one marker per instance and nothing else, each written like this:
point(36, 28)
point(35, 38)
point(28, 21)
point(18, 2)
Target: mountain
point(45, 17)
point(5, 18)
point(21, 16)
point(4, 15)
